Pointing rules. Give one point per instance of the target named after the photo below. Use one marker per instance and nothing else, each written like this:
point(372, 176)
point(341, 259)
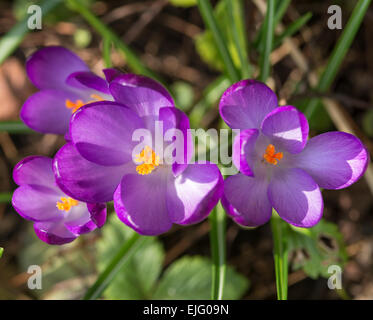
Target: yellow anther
point(149, 161)
point(66, 203)
point(271, 156)
point(79, 103)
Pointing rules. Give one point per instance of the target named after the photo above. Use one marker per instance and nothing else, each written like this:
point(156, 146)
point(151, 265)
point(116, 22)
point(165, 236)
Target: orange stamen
point(150, 161)
point(271, 156)
point(66, 204)
point(79, 103)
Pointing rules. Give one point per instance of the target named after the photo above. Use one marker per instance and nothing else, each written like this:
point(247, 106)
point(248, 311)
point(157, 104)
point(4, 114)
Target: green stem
point(339, 52)
point(217, 240)
point(280, 254)
point(132, 58)
point(123, 255)
point(208, 16)
point(268, 41)
point(6, 197)
point(15, 127)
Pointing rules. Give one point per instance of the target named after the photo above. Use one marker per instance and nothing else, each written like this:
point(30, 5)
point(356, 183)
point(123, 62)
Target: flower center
point(271, 156)
point(149, 161)
point(66, 203)
point(79, 103)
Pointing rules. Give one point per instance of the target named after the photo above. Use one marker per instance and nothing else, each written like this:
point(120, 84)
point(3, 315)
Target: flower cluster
point(151, 189)
point(63, 195)
point(279, 168)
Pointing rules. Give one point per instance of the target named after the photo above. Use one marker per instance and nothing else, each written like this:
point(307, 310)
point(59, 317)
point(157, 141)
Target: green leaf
point(136, 279)
point(320, 120)
point(210, 97)
point(1, 251)
point(280, 10)
point(183, 94)
point(217, 240)
point(189, 278)
point(186, 278)
point(10, 41)
point(218, 26)
point(280, 254)
point(339, 52)
point(131, 57)
point(238, 31)
point(59, 263)
point(183, 3)
point(292, 28)
point(106, 53)
point(59, 13)
point(205, 43)
point(267, 41)
point(316, 248)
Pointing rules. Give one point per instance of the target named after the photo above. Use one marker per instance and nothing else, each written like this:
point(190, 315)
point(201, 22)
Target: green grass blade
point(106, 53)
point(14, 127)
point(280, 9)
point(217, 240)
point(131, 57)
point(292, 28)
point(339, 52)
point(10, 41)
point(207, 14)
point(210, 97)
point(6, 197)
point(123, 255)
point(280, 254)
point(268, 41)
point(235, 14)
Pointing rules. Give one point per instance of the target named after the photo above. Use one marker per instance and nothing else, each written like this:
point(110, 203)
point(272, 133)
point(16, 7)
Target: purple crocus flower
point(58, 218)
point(150, 194)
point(65, 84)
point(278, 167)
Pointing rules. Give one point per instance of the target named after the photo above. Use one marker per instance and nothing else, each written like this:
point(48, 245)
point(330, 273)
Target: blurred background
point(169, 37)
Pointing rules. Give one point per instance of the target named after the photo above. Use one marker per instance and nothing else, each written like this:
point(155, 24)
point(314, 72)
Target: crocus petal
point(87, 79)
point(335, 160)
point(296, 197)
point(78, 220)
point(102, 132)
point(140, 202)
point(36, 203)
point(111, 74)
point(243, 149)
point(98, 213)
point(142, 94)
point(83, 217)
point(245, 199)
point(175, 122)
point(33, 170)
point(194, 193)
point(84, 180)
point(46, 112)
point(287, 128)
point(245, 104)
point(48, 68)
point(53, 233)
